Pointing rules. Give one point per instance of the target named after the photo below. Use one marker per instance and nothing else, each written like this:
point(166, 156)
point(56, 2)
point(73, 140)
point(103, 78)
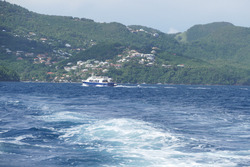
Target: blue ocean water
point(49, 124)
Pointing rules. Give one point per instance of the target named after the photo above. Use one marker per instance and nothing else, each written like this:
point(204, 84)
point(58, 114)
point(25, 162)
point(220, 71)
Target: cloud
point(172, 31)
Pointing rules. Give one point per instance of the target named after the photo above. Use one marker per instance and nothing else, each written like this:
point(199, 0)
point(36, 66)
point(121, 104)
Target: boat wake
point(135, 143)
point(136, 86)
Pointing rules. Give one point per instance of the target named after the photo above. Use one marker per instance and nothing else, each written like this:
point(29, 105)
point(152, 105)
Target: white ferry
point(98, 81)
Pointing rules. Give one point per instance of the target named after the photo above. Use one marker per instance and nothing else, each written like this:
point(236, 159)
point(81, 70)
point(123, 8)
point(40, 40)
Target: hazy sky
point(165, 15)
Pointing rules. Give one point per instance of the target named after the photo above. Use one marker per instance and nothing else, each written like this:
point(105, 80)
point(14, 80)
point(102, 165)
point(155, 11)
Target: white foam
point(138, 143)
point(4, 131)
point(65, 116)
point(136, 86)
point(199, 88)
point(16, 140)
point(101, 86)
point(126, 86)
point(44, 146)
point(141, 144)
point(243, 88)
point(170, 87)
point(68, 133)
point(19, 138)
point(85, 85)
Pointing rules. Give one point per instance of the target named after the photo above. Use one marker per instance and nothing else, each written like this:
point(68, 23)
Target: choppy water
point(43, 124)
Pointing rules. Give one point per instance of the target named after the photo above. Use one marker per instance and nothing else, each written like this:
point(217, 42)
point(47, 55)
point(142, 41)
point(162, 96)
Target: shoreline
point(140, 84)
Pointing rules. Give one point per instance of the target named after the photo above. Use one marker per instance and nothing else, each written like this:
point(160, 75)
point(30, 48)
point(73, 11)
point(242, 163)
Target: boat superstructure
point(98, 81)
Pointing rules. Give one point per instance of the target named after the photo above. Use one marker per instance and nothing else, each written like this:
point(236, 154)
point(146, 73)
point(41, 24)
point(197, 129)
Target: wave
point(16, 140)
point(170, 87)
point(128, 86)
point(136, 86)
point(136, 143)
point(130, 141)
point(199, 88)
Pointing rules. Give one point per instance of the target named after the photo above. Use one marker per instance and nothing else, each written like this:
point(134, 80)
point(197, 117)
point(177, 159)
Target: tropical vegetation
point(36, 47)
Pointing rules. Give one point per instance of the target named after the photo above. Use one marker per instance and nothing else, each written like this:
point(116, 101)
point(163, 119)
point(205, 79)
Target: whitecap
point(19, 138)
point(16, 140)
point(65, 116)
point(126, 86)
point(3, 131)
point(137, 143)
point(136, 86)
point(170, 87)
point(243, 88)
point(199, 88)
point(85, 85)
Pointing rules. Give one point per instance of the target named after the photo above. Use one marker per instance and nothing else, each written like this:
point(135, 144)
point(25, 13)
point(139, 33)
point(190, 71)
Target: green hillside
point(7, 74)
point(219, 43)
point(78, 32)
point(198, 32)
point(61, 49)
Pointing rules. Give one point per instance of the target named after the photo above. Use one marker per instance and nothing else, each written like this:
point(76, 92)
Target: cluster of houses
point(43, 58)
point(88, 66)
point(37, 58)
point(147, 59)
point(94, 65)
point(143, 31)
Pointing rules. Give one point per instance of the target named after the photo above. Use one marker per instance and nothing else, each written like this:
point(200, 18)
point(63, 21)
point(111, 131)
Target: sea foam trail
point(136, 86)
point(135, 143)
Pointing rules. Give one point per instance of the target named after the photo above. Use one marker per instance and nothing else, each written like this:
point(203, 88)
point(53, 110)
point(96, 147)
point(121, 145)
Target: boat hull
point(98, 84)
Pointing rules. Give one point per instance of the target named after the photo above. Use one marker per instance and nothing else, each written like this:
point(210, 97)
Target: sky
point(169, 16)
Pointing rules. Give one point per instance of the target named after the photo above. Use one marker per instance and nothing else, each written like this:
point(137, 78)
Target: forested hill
point(64, 48)
point(78, 32)
point(221, 43)
point(8, 75)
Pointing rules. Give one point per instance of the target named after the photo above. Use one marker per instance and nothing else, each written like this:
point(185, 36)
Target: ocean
point(66, 124)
